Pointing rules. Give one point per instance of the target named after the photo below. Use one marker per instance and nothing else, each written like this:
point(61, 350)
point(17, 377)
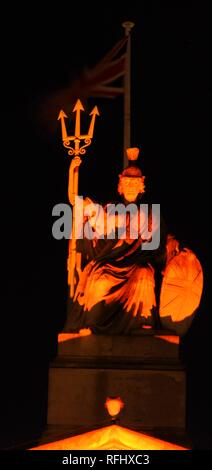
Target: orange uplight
point(62, 337)
point(114, 406)
point(169, 338)
point(110, 438)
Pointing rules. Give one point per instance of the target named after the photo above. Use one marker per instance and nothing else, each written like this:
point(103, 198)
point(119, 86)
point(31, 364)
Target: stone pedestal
point(145, 371)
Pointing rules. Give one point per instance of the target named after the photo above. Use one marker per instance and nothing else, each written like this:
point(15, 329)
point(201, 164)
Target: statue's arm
point(75, 163)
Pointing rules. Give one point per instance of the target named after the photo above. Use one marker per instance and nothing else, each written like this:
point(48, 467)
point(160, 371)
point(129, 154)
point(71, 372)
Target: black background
point(171, 102)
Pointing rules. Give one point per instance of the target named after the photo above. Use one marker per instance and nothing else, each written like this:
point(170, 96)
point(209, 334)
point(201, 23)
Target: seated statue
point(118, 283)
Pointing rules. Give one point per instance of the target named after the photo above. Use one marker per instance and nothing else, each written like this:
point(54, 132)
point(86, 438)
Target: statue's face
point(131, 187)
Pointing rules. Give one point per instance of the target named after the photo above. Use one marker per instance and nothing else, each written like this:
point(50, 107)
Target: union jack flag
point(91, 82)
point(97, 80)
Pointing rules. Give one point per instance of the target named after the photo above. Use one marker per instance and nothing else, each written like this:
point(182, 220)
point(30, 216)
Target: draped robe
point(115, 293)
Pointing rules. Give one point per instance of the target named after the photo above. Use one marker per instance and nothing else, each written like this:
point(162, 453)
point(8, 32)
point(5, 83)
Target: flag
point(90, 82)
point(98, 81)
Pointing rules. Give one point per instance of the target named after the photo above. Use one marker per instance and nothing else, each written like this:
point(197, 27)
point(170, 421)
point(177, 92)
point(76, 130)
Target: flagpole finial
point(128, 25)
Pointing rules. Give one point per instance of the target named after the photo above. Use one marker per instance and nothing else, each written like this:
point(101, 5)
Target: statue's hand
point(76, 162)
point(172, 248)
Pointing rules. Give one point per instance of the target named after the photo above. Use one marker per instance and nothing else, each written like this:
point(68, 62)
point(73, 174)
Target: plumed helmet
point(132, 170)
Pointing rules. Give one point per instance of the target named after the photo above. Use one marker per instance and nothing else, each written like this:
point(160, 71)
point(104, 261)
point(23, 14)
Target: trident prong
point(62, 117)
point(94, 113)
point(77, 109)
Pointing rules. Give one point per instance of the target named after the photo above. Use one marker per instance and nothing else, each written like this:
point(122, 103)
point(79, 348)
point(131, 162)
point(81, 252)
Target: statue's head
point(131, 180)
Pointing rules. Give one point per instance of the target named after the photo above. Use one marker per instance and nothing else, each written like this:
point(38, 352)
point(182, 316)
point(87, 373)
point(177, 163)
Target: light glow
point(110, 438)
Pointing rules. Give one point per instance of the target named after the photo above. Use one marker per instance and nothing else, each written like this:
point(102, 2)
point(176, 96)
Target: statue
point(116, 272)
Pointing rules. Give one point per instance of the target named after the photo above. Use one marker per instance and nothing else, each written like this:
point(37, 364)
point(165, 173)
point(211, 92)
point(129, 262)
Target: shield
point(181, 291)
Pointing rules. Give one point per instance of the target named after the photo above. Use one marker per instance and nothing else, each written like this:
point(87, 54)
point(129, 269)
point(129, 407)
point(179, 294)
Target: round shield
point(181, 291)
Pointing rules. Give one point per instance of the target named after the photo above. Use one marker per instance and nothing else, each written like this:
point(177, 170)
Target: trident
point(76, 151)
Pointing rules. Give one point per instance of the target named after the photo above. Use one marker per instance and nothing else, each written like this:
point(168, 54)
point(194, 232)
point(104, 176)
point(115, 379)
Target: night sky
point(171, 101)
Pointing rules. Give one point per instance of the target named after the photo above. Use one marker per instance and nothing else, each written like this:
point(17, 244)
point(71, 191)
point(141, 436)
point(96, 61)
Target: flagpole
point(128, 25)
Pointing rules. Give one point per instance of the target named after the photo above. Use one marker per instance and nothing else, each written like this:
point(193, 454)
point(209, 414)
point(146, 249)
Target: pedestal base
point(145, 371)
